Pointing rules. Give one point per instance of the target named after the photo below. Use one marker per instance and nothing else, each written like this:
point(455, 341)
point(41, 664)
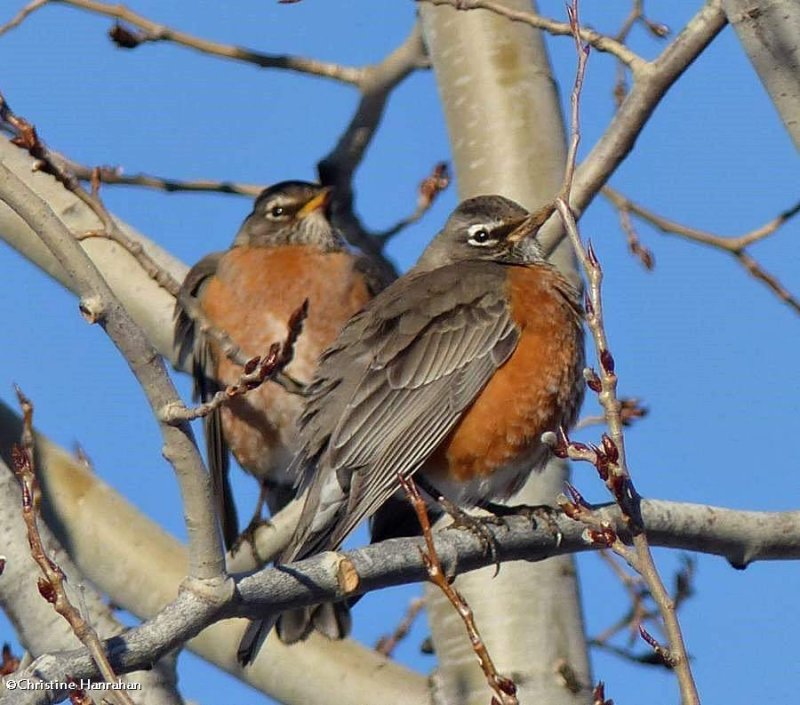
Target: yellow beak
point(318, 202)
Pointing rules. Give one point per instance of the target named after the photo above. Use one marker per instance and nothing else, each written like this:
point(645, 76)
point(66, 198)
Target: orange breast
point(252, 296)
point(538, 388)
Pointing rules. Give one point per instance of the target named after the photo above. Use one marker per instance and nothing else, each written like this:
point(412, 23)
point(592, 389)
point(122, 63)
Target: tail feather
point(254, 636)
point(331, 619)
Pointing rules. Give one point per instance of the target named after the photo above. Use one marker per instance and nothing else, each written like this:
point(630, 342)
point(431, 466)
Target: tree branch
point(338, 167)
point(151, 31)
point(99, 305)
point(610, 457)
point(599, 41)
point(99, 526)
point(52, 586)
point(741, 537)
point(736, 246)
point(653, 83)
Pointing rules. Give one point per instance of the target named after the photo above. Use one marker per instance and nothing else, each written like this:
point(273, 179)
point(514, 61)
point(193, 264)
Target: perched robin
point(454, 371)
point(285, 252)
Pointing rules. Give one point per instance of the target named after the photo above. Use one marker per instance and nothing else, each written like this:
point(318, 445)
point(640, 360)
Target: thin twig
point(601, 42)
point(256, 371)
point(736, 246)
point(503, 688)
point(52, 586)
point(113, 175)
point(99, 305)
point(388, 643)
point(27, 137)
point(429, 189)
point(635, 16)
point(610, 458)
point(644, 254)
point(151, 32)
point(730, 244)
point(19, 18)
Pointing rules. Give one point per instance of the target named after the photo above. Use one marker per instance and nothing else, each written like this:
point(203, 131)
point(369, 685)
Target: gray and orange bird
point(286, 252)
point(454, 371)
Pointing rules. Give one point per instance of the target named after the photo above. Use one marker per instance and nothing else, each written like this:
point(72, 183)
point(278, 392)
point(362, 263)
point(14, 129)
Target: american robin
point(285, 252)
point(454, 371)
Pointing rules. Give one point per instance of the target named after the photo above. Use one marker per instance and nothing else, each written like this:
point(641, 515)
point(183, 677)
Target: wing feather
point(392, 387)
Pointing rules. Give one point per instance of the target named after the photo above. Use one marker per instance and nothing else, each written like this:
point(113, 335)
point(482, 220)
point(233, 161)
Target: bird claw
point(535, 513)
point(477, 526)
point(248, 535)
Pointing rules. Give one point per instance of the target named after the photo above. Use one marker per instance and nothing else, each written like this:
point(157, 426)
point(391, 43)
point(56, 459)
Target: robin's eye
point(480, 236)
point(277, 211)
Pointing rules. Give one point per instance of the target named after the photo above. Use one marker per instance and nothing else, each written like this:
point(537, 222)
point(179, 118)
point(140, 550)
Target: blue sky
point(710, 350)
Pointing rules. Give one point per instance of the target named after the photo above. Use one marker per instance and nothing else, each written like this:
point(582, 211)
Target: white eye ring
point(480, 236)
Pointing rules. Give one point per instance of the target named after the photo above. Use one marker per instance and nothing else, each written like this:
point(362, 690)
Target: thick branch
point(337, 168)
point(742, 537)
point(768, 31)
point(98, 527)
point(98, 304)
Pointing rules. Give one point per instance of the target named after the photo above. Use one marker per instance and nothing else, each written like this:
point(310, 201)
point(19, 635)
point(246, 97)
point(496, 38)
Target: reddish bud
point(592, 380)
point(572, 511)
point(601, 537)
point(592, 255)
point(559, 448)
point(610, 448)
point(601, 463)
point(431, 186)
point(607, 361)
point(579, 447)
point(298, 316)
point(577, 497)
point(599, 695)
point(124, 37)
point(251, 364)
point(10, 662)
point(659, 29)
point(506, 685)
point(46, 590)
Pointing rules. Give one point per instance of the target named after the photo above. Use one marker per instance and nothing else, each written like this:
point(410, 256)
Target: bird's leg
point(476, 525)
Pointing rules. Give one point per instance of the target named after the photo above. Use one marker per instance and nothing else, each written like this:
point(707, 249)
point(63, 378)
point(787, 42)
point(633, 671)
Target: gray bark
point(37, 624)
point(769, 31)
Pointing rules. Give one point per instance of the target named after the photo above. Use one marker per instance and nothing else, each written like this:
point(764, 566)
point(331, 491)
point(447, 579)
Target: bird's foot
point(248, 535)
point(535, 513)
point(478, 526)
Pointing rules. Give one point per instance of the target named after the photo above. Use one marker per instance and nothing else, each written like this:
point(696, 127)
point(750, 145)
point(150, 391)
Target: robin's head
point(485, 228)
point(291, 213)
